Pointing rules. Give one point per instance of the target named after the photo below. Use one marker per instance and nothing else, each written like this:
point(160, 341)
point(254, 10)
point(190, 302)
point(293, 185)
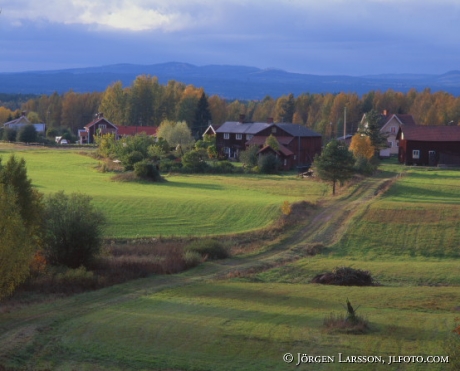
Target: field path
point(34, 326)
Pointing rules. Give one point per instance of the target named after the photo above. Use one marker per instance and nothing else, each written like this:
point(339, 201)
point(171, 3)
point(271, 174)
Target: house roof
point(281, 150)
point(212, 128)
point(98, 120)
point(133, 130)
point(260, 140)
point(295, 130)
point(236, 127)
point(430, 133)
point(405, 119)
point(20, 120)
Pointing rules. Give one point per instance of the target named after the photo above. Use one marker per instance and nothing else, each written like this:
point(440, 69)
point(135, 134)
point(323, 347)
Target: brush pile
point(345, 276)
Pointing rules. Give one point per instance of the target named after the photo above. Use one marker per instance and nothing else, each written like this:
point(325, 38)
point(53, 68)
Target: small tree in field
point(335, 164)
point(16, 244)
point(73, 229)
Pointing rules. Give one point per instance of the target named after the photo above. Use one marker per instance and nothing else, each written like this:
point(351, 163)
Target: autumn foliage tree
point(20, 232)
point(361, 146)
point(16, 245)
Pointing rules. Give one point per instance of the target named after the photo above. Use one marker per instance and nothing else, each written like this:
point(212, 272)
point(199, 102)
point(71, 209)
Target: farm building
point(23, 121)
point(429, 145)
point(103, 126)
point(390, 124)
point(298, 144)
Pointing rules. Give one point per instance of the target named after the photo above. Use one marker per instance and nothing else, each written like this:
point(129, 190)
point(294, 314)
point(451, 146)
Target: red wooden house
point(429, 145)
point(99, 125)
point(298, 144)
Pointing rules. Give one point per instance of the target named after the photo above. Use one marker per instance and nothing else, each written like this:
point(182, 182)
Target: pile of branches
point(345, 276)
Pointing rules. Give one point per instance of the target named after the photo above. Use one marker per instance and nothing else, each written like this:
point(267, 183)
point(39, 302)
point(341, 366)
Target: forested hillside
point(147, 102)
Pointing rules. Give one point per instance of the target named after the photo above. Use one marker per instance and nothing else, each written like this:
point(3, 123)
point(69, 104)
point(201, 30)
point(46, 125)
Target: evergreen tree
point(202, 117)
point(335, 164)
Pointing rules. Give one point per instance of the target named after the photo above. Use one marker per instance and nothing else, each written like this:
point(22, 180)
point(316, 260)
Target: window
point(390, 144)
point(273, 130)
point(226, 136)
point(393, 130)
point(249, 136)
point(239, 136)
point(102, 126)
point(416, 154)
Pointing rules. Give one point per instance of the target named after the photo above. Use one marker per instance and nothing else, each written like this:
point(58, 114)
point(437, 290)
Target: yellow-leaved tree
point(361, 146)
point(16, 246)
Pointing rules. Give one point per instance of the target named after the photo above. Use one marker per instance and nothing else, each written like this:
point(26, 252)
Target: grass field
point(182, 206)
point(203, 320)
point(418, 216)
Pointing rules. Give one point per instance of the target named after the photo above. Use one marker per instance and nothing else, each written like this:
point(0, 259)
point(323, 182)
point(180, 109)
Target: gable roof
point(21, 120)
point(236, 127)
point(297, 130)
point(259, 140)
point(253, 128)
point(211, 128)
point(430, 133)
point(133, 130)
point(405, 119)
point(97, 121)
point(281, 150)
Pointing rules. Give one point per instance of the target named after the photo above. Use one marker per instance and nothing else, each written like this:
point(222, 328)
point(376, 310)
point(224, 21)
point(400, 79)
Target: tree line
point(148, 103)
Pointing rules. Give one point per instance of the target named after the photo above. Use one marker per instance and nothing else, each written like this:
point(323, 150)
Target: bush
point(132, 158)
point(268, 164)
point(249, 156)
point(27, 134)
point(146, 170)
point(9, 135)
point(195, 161)
point(73, 230)
point(167, 165)
point(364, 166)
point(223, 167)
point(211, 249)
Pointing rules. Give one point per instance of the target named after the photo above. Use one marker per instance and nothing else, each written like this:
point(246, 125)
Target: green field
point(183, 206)
point(224, 316)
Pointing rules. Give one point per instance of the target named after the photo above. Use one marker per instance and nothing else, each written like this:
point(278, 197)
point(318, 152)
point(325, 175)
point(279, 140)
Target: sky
point(323, 37)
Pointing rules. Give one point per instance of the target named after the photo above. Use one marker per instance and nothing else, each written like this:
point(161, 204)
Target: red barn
point(429, 145)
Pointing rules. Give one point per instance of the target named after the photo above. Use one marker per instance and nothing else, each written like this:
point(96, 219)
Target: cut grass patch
point(185, 205)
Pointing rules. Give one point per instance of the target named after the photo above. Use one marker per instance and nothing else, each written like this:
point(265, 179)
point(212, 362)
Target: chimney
point(242, 116)
point(269, 120)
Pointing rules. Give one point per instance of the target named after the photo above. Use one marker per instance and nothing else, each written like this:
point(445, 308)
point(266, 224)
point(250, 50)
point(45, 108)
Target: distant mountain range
point(232, 82)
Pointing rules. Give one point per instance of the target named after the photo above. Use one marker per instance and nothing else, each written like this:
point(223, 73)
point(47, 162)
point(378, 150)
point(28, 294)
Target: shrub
point(132, 158)
point(27, 134)
point(169, 165)
point(211, 249)
point(192, 258)
point(268, 164)
point(146, 170)
point(364, 166)
point(9, 135)
point(195, 161)
point(73, 230)
point(223, 167)
point(249, 156)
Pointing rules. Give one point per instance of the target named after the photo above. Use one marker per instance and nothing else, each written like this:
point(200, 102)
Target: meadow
point(222, 315)
point(185, 205)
